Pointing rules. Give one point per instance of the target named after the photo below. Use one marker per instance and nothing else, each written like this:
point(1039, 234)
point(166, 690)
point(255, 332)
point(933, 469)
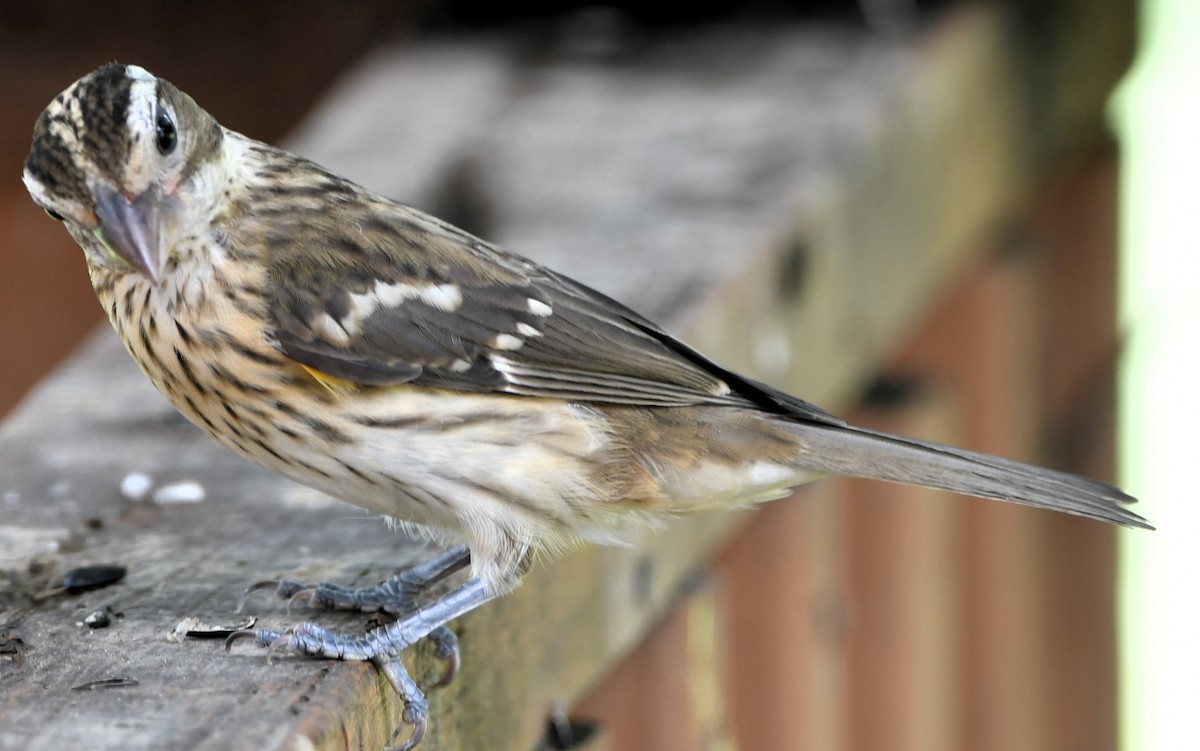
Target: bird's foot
point(383, 645)
point(396, 596)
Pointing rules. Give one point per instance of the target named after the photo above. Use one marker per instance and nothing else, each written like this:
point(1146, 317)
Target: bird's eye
point(54, 215)
point(164, 133)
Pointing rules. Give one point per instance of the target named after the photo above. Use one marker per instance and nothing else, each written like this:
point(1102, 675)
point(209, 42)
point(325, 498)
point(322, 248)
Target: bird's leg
point(396, 596)
point(381, 645)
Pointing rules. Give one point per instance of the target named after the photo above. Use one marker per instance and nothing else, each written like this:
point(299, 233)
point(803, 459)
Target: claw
point(304, 594)
point(256, 586)
point(262, 636)
point(417, 734)
point(452, 664)
point(416, 709)
point(445, 649)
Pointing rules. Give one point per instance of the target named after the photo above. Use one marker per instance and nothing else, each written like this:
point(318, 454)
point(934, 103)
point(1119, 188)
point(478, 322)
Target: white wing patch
point(506, 341)
point(524, 329)
point(390, 295)
point(332, 330)
point(721, 389)
point(446, 297)
point(539, 308)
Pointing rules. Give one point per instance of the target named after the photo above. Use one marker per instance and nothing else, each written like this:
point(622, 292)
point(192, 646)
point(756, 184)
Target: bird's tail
point(860, 452)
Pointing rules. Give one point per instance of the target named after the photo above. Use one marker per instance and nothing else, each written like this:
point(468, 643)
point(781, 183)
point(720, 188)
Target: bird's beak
point(136, 228)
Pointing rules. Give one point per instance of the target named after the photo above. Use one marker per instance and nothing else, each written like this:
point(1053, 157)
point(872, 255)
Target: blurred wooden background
point(858, 616)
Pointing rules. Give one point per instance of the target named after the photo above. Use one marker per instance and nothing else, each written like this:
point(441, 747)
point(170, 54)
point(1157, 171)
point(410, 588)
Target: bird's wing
point(401, 297)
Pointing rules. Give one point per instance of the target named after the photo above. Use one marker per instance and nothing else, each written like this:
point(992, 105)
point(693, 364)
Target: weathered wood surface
point(753, 189)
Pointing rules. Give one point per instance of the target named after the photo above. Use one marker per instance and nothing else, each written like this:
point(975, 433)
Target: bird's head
point(116, 158)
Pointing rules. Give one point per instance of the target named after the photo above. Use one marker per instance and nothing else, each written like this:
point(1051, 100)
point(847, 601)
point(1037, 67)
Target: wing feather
point(385, 308)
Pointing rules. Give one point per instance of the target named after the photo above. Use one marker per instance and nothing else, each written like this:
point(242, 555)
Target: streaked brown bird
point(385, 357)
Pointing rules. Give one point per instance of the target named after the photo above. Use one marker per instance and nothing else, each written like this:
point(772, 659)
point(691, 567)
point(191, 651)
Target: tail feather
point(860, 452)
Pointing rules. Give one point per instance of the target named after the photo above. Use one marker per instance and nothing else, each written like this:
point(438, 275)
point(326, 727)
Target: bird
point(390, 359)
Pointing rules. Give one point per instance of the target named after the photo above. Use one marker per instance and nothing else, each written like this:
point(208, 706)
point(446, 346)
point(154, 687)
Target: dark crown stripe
point(103, 110)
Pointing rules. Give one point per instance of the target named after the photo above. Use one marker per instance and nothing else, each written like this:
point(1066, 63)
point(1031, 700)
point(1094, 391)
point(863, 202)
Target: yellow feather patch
point(333, 384)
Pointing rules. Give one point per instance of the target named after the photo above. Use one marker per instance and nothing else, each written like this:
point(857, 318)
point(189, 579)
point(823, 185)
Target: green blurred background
point(1157, 115)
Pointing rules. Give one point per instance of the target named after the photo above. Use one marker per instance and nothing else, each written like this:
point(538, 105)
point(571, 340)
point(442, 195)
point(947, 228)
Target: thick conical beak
point(133, 228)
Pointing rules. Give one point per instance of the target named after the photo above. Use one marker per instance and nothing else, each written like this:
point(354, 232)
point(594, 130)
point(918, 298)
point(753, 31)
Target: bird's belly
point(433, 458)
point(543, 457)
